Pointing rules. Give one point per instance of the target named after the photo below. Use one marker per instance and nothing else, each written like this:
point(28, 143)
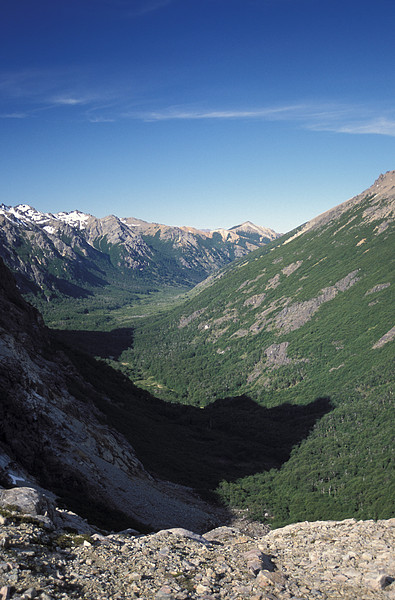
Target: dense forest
point(291, 323)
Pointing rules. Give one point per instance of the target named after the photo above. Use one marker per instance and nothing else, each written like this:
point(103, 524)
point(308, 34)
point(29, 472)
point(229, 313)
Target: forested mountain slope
point(309, 316)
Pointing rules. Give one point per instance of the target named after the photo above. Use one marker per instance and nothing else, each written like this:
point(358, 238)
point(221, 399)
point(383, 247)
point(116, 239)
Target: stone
point(379, 582)
point(270, 578)
point(29, 594)
point(165, 593)
point(27, 501)
point(65, 519)
point(5, 592)
point(256, 561)
point(384, 581)
point(180, 531)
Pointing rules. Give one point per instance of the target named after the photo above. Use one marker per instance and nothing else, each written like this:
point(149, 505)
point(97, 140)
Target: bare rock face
point(57, 436)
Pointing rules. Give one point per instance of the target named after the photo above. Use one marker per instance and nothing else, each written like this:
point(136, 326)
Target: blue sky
point(195, 112)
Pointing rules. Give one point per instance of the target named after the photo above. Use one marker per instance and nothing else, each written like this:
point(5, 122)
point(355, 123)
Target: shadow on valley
point(106, 344)
point(229, 439)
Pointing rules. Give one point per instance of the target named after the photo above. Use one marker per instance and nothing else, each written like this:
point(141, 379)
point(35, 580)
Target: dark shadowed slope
point(51, 433)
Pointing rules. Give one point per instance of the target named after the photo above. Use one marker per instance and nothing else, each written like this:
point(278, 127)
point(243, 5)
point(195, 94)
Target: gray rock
point(257, 561)
point(65, 519)
point(324, 560)
point(27, 501)
point(29, 594)
point(180, 531)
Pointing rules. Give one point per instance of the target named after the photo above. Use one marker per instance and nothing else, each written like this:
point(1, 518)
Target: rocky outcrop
point(28, 501)
point(297, 314)
point(335, 559)
point(387, 337)
point(306, 561)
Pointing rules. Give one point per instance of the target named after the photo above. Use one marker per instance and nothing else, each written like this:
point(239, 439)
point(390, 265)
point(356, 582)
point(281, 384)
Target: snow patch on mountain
point(24, 211)
point(74, 218)
point(24, 214)
point(127, 222)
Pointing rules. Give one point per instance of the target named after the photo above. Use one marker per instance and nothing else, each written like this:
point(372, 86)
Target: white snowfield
point(25, 214)
point(74, 218)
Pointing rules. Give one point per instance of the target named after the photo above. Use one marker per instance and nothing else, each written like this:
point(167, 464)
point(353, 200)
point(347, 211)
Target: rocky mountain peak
point(28, 215)
point(380, 205)
point(385, 180)
point(24, 214)
point(249, 227)
point(75, 218)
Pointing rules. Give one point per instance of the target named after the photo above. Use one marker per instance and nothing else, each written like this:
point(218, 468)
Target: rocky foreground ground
point(348, 560)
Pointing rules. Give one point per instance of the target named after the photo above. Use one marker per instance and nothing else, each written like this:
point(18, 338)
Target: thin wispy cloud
point(93, 119)
point(13, 116)
point(355, 120)
point(338, 118)
point(297, 112)
point(28, 93)
point(377, 126)
point(35, 85)
point(179, 113)
point(69, 101)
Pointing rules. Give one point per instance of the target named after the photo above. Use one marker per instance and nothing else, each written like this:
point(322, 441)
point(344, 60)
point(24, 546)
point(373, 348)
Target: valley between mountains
point(229, 381)
point(97, 266)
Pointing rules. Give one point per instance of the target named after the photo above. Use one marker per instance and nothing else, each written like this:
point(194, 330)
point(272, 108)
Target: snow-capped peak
point(75, 218)
point(24, 214)
point(29, 213)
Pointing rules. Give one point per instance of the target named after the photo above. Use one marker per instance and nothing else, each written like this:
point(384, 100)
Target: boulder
point(28, 501)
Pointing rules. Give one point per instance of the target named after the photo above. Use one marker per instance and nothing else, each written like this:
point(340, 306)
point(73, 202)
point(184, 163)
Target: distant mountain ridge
point(74, 253)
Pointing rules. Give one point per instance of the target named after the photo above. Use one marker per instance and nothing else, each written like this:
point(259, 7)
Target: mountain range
point(76, 255)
